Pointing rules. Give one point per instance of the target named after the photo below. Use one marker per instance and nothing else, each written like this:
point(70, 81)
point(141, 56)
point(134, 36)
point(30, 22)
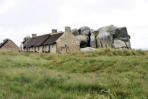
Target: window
point(66, 45)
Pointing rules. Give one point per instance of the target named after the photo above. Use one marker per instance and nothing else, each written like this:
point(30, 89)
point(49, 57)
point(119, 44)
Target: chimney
point(67, 29)
point(34, 35)
point(54, 31)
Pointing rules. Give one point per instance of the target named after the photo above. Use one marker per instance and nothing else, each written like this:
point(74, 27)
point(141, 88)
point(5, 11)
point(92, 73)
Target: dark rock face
point(84, 30)
point(120, 33)
point(75, 32)
point(83, 35)
point(104, 37)
point(123, 32)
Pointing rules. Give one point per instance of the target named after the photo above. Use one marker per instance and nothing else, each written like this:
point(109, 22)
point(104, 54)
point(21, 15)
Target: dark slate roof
point(53, 38)
point(3, 43)
point(37, 41)
point(42, 40)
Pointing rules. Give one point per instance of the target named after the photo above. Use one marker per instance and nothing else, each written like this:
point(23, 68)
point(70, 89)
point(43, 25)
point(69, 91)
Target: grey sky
point(19, 18)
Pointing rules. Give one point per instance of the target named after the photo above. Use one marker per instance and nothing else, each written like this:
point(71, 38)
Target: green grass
point(102, 74)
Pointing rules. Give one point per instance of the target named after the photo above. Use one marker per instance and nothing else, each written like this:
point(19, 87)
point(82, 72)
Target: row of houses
point(54, 42)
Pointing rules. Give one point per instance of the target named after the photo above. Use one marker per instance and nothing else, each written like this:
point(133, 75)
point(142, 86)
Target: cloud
point(31, 12)
point(6, 6)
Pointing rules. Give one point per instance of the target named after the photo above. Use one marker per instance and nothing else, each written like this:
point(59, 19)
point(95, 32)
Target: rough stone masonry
point(104, 37)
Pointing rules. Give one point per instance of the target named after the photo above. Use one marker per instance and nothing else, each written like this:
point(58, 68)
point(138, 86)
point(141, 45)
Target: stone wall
point(10, 46)
point(31, 49)
point(53, 48)
point(40, 49)
point(46, 48)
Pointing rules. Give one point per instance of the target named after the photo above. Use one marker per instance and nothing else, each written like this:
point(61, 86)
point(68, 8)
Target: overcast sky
point(19, 18)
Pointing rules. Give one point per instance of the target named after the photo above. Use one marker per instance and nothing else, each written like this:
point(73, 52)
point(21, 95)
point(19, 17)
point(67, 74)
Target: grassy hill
point(103, 74)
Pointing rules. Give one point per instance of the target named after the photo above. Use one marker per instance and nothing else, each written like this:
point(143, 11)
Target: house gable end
point(10, 46)
point(68, 37)
point(67, 42)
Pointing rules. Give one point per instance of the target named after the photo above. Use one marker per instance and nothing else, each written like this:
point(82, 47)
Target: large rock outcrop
point(113, 37)
point(104, 37)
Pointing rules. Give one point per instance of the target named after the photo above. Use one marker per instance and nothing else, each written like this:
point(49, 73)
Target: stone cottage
point(52, 43)
point(9, 45)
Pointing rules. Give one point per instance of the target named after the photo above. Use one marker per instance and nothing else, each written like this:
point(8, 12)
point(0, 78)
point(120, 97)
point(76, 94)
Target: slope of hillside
point(103, 74)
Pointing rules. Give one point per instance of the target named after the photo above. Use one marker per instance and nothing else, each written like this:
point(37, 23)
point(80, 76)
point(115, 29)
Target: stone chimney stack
point(34, 35)
point(54, 31)
point(67, 29)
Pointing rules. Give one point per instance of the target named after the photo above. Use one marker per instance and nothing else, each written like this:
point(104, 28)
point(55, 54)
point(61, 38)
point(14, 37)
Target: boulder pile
point(104, 37)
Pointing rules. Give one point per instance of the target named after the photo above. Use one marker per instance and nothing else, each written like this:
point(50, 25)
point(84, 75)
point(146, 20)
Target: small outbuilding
point(9, 45)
